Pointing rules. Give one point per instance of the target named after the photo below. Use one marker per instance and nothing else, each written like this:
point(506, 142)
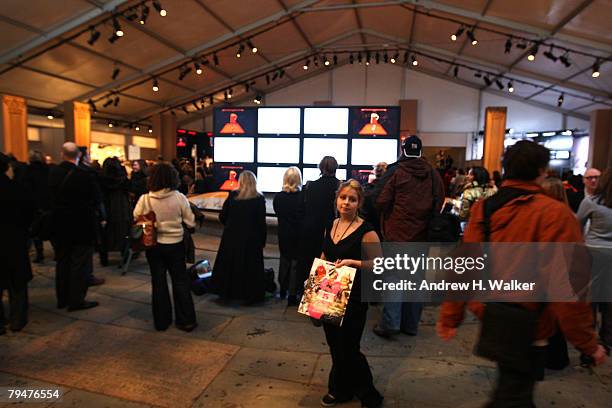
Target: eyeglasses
point(592, 178)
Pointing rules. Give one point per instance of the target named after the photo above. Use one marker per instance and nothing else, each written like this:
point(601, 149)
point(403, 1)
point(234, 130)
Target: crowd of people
point(81, 208)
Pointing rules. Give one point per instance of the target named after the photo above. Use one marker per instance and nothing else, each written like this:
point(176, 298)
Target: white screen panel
point(316, 148)
point(270, 179)
point(371, 151)
point(310, 174)
point(278, 150)
point(234, 149)
point(326, 121)
point(278, 121)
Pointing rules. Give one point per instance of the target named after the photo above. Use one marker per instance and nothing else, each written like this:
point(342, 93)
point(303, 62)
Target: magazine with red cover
point(327, 292)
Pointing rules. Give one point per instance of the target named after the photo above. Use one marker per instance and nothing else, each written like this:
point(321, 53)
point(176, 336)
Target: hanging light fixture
point(93, 35)
point(240, 51)
point(92, 105)
point(560, 99)
point(457, 33)
point(549, 54)
point(144, 14)
point(414, 60)
point(162, 11)
point(306, 64)
point(510, 87)
point(117, 27)
point(257, 99)
point(198, 68)
point(596, 65)
point(155, 85)
point(252, 47)
point(115, 73)
point(472, 37)
point(533, 52)
point(508, 46)
point(565, 60)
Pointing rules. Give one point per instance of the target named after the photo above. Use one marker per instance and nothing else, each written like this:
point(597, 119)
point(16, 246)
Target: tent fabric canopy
point(46, 55)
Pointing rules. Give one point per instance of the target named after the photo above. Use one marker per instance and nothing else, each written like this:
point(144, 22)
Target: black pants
point(72, 270)
point(287, 277)
point(514, 388)
point(350, 374)
point(18, 308)
point(170, 258)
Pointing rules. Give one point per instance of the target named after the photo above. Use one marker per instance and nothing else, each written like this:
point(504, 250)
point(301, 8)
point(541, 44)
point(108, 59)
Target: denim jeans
point(401, 316)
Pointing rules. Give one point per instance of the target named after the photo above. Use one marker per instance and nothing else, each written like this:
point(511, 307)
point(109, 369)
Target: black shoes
point(329, 400)
point(83, 306)
point(187, 328)
point(96, 281)
point(384, 333)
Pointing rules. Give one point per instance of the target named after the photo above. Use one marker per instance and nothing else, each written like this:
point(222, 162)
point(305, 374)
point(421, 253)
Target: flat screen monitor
point(278, 150)
point(316, 148)
point(234, 149)
point(226, 175)
point(313, 173)
point(278, 121)
point(326, 121)
point(368, 152)
point(375, 121)
point(363, 176)
point(235, 121)
point(270, 179)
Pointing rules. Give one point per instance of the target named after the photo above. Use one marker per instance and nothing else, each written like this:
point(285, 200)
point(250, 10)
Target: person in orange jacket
point(527, 218)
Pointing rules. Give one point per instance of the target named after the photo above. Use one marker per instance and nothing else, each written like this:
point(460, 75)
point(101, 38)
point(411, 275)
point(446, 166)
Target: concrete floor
point(263, 356)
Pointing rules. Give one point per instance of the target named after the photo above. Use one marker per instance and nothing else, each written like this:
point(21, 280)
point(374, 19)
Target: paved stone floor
point(263, 356)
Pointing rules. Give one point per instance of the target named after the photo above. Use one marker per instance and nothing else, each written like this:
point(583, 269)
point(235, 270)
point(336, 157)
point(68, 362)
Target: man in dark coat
point(36, 179)
point(16, 211)
point(73, 203)
point(411, 191)
point(317, 212)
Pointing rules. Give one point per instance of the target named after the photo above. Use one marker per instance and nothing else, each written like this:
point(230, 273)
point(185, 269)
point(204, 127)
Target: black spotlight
point(108, 103)
point(549, 54)
point(92, 105)
point(499, 84)
point(116, 101)
point(456, 71)
point(565, 60)
point(487, 80)
point(115, 73)
point(560, 100)
point(93, 35)
point(144, 14)
point(508, 46)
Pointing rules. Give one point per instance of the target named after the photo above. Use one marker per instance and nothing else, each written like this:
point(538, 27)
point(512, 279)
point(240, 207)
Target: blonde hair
point(292, 180)
point(248, 186)
point(553, 187)
point(354, 185)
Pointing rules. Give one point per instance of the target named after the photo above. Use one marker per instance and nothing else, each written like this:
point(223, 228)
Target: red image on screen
point(231, 183)
point(181, 142)
point(373, 128)
point(232, 127)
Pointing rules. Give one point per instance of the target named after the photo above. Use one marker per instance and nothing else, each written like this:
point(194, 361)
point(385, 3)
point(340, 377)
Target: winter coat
point(287, 209)
point(74, 204)
point(118, 212)
point(238, 272)
point(534, 218)
point(17, 207)
point(411, 191)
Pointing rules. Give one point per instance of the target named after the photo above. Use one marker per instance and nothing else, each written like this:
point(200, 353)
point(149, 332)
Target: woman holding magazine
point(350, 375)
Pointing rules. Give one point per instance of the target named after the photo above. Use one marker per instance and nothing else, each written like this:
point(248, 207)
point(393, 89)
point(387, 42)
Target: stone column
point(14, 126)
point(164, 130)
point(600, 139)
point(495, 132)
point(77, 120)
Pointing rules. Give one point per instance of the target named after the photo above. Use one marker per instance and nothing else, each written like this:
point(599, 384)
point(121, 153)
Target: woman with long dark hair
point(172, 211)
point(115, 191)
point(478, 187)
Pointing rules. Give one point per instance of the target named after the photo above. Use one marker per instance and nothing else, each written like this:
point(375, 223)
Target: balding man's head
point(591, 178)
point(70, 152)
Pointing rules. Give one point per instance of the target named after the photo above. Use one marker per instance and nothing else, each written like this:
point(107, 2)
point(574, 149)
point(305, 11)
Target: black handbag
point(507, 332)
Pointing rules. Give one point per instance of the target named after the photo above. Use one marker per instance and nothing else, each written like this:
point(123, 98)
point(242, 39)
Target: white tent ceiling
point(45, 55)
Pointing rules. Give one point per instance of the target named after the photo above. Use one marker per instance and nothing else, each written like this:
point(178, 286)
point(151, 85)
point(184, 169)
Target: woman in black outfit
point(115, 190)
point(238, 272)
point(350, 373)
point(287, 206)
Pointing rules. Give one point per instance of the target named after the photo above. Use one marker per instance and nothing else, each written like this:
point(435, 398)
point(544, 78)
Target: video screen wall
point(269, 140)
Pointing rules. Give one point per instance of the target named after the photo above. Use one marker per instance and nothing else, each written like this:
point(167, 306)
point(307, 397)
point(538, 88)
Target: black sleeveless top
point(348, 247)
